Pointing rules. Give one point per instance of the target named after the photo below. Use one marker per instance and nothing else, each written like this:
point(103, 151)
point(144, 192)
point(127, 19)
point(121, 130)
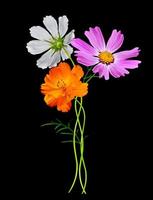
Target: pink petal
point(98, 68)
point(115, 41)
point(83, 46)
point(102, 70)
point(96, 38)
point(117, 70)
point(127, 54)
point(106, 73)
point(114, 72)
point(86, 59)
point(128, 64)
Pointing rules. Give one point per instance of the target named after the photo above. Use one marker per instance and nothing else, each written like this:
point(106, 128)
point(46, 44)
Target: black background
point(114, 150)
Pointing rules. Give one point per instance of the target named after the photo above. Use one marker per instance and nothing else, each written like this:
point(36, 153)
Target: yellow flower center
point(61, 84)
point(106, 57)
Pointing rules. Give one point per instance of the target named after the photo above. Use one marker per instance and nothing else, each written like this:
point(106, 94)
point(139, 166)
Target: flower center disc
point(60, 84)
point(57, 44)
point(106, 57)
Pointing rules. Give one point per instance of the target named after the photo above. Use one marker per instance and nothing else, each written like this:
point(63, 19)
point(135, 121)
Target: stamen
point(106, 57)
point(57, 44)
point(60, 84)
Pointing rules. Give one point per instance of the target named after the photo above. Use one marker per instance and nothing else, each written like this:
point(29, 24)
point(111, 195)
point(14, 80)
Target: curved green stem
point(82, 137)
point(68, 55)
point(85, 76)
point(74, 145)
point(82, 147)
point(85, 170)
point(90, 77)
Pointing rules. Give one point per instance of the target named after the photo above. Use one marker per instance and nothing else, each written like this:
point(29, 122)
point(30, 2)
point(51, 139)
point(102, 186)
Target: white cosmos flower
point(53, 39)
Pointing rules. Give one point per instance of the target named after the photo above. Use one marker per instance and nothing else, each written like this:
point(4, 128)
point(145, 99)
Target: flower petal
point(96, 38)
point(84, 47)
point(68, 38)
point(104, 72)
point(127, 54)
point(51, 25)
point(44, 61)
point(81, 89)
point(63, 105)
point(115, 72)
point(63, 55)
point(99, 68)
point(49, 59)
point(69, 49)
point(78, 71)
point(55, 59)
point(62, 71)
point(115, 41)
point(39, 33)
point(128, 64)
point(120, 69)
point(86, 59)
point(36, 46)
point(102, 69)
point(49, 99)
point(63, 25)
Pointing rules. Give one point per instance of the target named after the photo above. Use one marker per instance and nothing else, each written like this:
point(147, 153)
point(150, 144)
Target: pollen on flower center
point(57, 44)
point(106, 57)
point(61, 84)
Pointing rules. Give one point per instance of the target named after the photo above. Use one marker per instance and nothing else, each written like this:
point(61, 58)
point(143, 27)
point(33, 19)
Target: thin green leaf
point(61, 129)
point(66, 133)
point(70, 141)
point(49, 124)
point(57, 126)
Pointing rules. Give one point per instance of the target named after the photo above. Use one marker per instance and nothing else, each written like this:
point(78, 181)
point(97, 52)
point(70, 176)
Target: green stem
point(68, 55)
point(85, 76)
point(74, 145)
point(82, 137)
point(82, 148)
point(90, 77)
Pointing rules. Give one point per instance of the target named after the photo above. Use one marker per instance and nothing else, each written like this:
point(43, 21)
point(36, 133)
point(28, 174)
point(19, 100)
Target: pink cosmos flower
point(102, 56)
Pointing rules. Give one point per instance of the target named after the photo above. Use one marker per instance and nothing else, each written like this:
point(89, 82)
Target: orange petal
point(61, 72)
point(78, 71)
point(49, 100)
point(63, 105)
point(64, 67)
point(80, 90)
point(53, 103)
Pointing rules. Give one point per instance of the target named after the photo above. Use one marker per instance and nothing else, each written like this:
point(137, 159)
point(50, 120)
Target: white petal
point(63, 55)
point(49, 59)
point(63, 25)
point(68, 38)
point(44, 60)
point(39, 33)
point(69, 50)
point(36, 46)
point(56, 58)
point(51, 25)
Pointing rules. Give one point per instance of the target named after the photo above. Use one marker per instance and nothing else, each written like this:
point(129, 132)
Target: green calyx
point(57, 44)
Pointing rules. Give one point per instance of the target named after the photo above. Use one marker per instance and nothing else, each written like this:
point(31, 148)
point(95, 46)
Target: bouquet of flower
point(65, 83)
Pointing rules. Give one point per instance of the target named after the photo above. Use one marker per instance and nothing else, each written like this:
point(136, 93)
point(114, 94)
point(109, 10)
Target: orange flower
point(62, 85)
